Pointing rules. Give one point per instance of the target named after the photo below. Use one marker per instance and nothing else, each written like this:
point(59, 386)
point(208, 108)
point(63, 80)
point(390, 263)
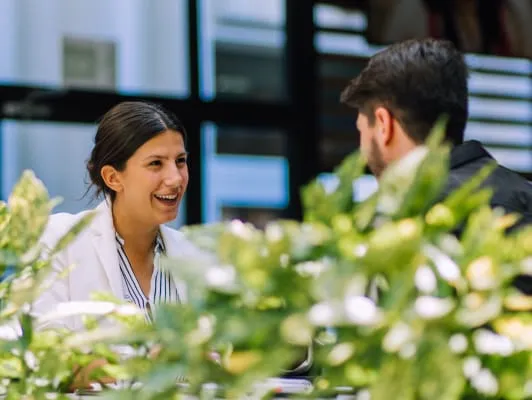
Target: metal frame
point(297, 116)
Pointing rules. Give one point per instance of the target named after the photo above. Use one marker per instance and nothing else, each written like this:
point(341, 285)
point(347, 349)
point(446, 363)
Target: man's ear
point(384, 121)
point(111, 177)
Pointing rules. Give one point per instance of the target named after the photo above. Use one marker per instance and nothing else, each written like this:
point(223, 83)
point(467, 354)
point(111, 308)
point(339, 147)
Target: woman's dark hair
point(122, 130)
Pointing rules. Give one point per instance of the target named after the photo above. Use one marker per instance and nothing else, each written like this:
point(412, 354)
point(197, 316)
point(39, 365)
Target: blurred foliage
point(389, 300)
point(34, 363)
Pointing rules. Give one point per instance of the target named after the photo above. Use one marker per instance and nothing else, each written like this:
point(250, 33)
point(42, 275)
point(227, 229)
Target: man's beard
point(376, 162)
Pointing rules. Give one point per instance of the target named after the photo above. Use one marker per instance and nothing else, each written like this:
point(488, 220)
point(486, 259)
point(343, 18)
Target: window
point(500, 103)
point(343, 53)
point(242, 45)
point(500, 109)
point(128, 46)
point(245, 174)
point(55, 152)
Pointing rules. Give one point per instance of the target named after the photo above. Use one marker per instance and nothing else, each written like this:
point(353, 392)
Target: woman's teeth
point(166, 197)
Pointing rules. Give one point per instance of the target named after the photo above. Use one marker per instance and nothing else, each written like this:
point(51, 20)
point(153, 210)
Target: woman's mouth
point(167, 199)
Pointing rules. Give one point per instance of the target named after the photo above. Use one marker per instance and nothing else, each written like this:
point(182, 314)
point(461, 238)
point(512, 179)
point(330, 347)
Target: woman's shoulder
point(67, 220)
point(64, 218)
point(59, 224)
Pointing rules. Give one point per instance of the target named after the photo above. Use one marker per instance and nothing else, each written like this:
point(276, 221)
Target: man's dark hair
point(418, 81)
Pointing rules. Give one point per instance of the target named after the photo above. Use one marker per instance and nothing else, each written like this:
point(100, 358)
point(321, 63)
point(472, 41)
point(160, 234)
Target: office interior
point(256, 83)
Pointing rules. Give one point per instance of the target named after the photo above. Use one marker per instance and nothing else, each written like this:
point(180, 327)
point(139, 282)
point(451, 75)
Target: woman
point(139, 163)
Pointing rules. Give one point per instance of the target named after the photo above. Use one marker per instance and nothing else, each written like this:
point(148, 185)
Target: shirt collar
point(467, 152)
point(159, 242)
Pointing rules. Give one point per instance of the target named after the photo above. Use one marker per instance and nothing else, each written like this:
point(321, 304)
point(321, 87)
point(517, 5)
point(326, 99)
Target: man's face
point(369, 145)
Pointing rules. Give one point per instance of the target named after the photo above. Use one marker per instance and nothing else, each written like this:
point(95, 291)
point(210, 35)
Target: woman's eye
point(155, 163)
point(181, 161)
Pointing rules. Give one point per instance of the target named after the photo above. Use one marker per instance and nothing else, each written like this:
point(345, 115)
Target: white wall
point(8, 35)
point(152, 50)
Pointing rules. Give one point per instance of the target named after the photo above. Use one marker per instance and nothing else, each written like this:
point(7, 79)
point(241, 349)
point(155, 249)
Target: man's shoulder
point(511, 191)
point(502, 180)
point(459, 175)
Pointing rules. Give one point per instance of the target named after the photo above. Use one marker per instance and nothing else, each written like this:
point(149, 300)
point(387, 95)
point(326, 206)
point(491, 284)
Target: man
point(400, 95)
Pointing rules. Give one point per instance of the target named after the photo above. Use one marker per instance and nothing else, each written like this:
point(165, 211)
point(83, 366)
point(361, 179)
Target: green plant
point(35, 364)
point(393, 303)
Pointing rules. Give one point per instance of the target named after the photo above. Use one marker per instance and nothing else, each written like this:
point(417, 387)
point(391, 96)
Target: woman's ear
point(111, 178)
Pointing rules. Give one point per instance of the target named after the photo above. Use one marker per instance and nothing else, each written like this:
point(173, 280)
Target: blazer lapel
point(104, 242)
point(175, 248)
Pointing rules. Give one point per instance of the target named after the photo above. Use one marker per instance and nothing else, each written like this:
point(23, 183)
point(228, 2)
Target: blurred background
point(256, 82)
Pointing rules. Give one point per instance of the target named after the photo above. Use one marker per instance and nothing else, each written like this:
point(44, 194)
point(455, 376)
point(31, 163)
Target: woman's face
point(154, 180)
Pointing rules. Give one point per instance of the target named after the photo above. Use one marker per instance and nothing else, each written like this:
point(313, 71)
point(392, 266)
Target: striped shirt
point(162, 286)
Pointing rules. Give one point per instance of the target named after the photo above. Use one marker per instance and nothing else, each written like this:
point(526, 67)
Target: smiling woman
point(139, 164)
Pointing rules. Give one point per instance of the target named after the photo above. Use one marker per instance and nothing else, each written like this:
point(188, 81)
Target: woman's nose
point(173, 177)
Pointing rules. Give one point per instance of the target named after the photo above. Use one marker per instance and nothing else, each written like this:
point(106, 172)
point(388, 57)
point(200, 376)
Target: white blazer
point(94, 258)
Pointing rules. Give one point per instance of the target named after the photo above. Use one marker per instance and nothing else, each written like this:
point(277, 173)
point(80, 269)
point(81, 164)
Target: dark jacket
point(510, 190)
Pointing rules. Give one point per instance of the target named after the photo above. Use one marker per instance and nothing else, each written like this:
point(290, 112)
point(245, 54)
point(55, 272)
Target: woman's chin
point(167, 217)
point(165, 213)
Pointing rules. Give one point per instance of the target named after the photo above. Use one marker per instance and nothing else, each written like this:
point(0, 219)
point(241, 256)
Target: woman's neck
point(137, 238)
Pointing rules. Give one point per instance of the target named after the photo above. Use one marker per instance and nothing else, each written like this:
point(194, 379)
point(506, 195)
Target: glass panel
point(363, 187)
point(339, 136)
point(499, 28)
point(500, 110)
point(245, 174)
point(242, 49)
point(122, 45)
point(338, 26)
point(57, 153)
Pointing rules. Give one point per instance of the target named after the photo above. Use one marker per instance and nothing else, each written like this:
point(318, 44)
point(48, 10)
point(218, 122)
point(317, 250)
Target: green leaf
point(365, 212)
point(412, 184)
point(468, 196)
point(428, 183)
point(10, 367)
point(482, 234)
point(395, 381)
point(29, 207)
point(393, 244)
point(438, 370)
point(322, 205)
point(26, 323)
point(163, 377)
